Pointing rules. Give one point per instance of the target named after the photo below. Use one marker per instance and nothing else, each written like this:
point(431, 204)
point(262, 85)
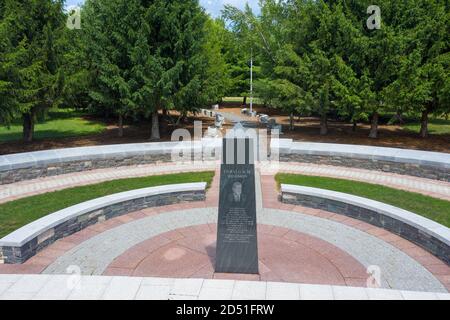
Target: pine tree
point(147, 56)
point(217, 82)
point(110, 36)
point(8, 105)
point(30, 60)
point(178, 65)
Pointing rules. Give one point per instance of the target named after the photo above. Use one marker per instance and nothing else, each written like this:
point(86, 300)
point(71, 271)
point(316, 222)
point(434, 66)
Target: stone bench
point(431, 165)
point(25, 242)
point(27, 166)
point(32, 165)
point(424, 232)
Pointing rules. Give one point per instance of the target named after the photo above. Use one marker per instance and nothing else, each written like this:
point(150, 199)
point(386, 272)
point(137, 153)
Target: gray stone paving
point(94, 255)
point(399, 271)
point(68, 287)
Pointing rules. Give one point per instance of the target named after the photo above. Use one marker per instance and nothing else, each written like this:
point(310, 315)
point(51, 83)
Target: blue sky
point(212, 6)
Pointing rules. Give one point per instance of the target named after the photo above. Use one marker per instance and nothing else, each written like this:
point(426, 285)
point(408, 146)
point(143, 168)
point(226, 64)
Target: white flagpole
point(251, 83)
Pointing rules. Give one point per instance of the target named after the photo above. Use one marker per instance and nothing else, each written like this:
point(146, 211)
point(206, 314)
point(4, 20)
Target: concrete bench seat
point(426, 233)
point(32, 165)
point(424, 164)
point(25, 242)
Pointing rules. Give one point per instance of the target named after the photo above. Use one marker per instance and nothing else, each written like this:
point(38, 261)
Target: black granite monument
point(237, 246)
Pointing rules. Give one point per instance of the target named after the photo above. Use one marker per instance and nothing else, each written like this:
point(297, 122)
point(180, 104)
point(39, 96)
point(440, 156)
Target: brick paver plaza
point(297, 245)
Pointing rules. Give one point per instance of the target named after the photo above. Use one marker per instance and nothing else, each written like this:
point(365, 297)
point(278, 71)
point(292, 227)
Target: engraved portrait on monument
point(236, 196)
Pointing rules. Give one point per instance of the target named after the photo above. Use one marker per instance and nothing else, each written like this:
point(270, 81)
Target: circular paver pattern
point(294, 245)
point(284, 256)
point(398, 270)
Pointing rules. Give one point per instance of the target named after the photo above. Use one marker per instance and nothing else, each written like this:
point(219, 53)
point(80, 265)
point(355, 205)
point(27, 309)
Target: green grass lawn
point(240, 100)
point(436, 126)
point(431, 208)
point(16, 214)
point(58, 124)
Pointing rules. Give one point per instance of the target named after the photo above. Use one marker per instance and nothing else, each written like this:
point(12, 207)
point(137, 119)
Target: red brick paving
point(268, 272)
point(437, 267)
point(284, 256)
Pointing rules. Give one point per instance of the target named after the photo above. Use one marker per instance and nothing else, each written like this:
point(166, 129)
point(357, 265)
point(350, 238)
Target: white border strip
point(61, 287)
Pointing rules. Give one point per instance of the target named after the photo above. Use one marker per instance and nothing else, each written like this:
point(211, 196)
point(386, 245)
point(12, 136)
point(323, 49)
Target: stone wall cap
point(56, 156)
point(35, 228)
point(365, 152)
point(427, 226)
point(48, 157)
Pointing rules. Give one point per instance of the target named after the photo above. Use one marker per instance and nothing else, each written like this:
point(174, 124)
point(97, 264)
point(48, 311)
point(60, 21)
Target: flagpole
point(251, 83)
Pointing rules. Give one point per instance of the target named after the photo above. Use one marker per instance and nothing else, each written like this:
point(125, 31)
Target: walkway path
point(134, 244)
point(28, 188)
point(42, 287)
point(432, 188)
point(232, 117)
point(10, 192)
point(399, 270)
point(128, 239)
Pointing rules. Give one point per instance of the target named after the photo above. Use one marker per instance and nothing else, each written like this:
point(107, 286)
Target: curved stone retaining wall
point(24, 243)
point(431, 165)
point(32, 165)
point(26, 166)
point(426, 233)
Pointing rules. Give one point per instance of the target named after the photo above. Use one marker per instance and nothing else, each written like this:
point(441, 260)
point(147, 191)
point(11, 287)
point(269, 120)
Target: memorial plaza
point(257, 150)
point(160, 242)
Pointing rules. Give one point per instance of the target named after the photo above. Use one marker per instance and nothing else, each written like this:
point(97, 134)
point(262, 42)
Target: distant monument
point(237, 246)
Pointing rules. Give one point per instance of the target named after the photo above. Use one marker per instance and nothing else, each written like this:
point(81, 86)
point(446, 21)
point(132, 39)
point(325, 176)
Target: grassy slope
point(436, 126)
point(434, 209)
point(59, 124)
point(16, 214)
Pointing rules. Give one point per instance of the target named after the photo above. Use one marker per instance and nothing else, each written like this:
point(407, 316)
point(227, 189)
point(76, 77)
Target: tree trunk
point(245, 102)
point(424, 124)
point(291, 122)
point(323, 124)
point(400, 118)
point(28, 126)
point(120, 125)
point(155, 126)
point(165, 115)
point(184, 117)
point(374, 127)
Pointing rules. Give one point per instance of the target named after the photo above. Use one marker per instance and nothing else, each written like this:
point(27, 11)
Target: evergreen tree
point(147, 56)
point(110, 30)
point(31, 79)
point(8, 105)
point(177, 40)
point(217, 82)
